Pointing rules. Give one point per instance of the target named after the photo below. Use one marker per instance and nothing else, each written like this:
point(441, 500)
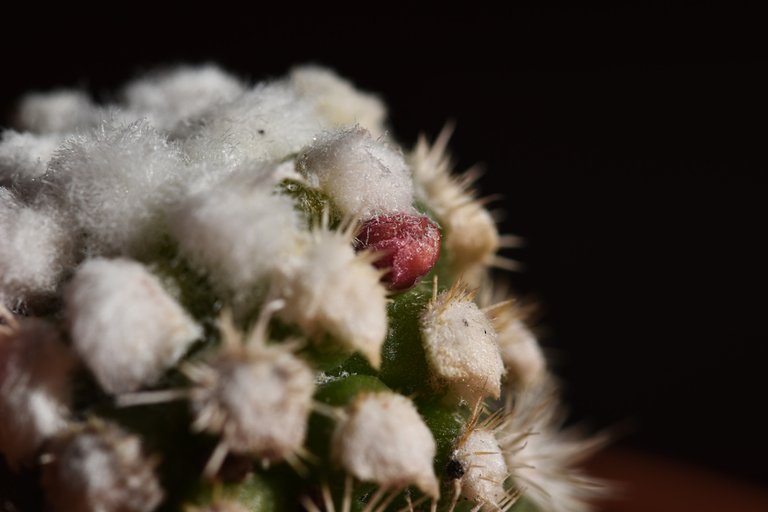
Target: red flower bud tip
point(409, 246)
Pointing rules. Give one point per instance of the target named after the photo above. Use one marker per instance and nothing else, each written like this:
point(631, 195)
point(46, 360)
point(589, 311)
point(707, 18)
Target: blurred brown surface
point(650, 483)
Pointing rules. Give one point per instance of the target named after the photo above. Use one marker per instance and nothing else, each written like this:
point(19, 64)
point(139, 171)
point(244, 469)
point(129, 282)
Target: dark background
point(630, 147)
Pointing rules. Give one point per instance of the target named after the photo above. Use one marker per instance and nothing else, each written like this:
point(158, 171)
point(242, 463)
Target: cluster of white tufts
point(110, 215)
point(190, 153)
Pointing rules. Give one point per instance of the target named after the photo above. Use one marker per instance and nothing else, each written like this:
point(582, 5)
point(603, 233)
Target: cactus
point(222, 297)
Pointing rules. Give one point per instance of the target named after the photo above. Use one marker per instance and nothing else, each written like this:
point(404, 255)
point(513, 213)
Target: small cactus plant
point(222, 297)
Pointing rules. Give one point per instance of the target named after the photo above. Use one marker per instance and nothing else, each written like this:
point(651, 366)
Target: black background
point(629, 147)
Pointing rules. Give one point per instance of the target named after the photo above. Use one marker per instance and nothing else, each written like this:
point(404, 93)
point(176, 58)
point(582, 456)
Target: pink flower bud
point(409, 246)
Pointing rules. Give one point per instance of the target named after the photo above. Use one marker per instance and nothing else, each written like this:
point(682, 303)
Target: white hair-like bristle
point(329, 288)
point(115, 180)
point(239, 231)
point(97, 467)
point(172, 96)
point(35, 378)
point(24, 159)
point(461, 347)
point(36, 249)
point(485, 470)
point(258, 398)
point(363, 177)
point(543, 459)
point(61, 111)
point(337, 100)
point(383, 439)
point(269, 122)
point(124, 325)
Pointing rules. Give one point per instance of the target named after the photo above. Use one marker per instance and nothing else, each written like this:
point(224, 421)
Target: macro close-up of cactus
point(218, 296)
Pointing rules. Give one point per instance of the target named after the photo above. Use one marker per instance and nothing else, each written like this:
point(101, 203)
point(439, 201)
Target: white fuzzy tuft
point(337, 100)
point(383, 439)
point(329, 288)
point(172, 96)
point(24, 159)
point(35, 368)
point(521, 353)
point(99, 468)
point(461, 348)
point(485, 470)
point(36, 249)
point(364, 177)
point(59, 111)
point(258, 399)
point(115, 180)
point(124, 325)
point(240, 231)
point(543, 460)
point(269, 122)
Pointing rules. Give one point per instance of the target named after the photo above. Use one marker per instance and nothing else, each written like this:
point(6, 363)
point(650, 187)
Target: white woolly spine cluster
point(383, 439)
point(364, 177)
point(192, 161)
point(115, 181)
point(124, 325)
point(461, 347)
point(266, 123)
point(485, 470)
point(337, 100)
point(36, 250)
point(257, 397)
point(24, 159)
point(99, 467)
point(170, 97)
point(117, 176)
point(523, 356)
point(521, 352)
point(329, 288)
point(544, 460)
point(62, 111)
point(240, 231)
